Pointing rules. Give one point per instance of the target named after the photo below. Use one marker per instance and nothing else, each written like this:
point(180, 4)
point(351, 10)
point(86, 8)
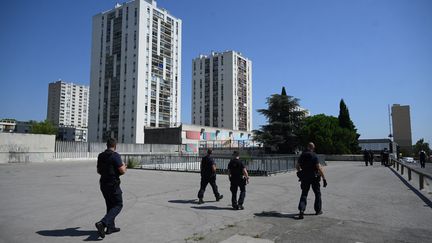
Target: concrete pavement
point(60, 202)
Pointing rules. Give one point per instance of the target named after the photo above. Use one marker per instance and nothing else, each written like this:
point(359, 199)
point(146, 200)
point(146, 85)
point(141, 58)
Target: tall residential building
point(135, 71)
point(222, 91)
point(401, 120)
point(68, 104)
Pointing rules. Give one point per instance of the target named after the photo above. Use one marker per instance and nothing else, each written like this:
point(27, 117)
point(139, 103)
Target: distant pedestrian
point(371, 157)
point(386, 157)
point(310, 172)
point(110, 167)
point(422, 156)
point(366, 157)
point(208, 175)
point(382, 157)
point(238, 177)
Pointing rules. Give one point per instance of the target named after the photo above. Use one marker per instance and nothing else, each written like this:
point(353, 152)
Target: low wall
point(23, 148)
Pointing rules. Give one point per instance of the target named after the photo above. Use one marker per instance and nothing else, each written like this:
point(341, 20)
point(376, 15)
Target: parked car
point(408, 160)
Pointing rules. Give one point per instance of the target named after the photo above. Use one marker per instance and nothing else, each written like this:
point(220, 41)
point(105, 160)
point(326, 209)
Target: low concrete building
point(193, 137)
point(69, 133)
point(377, 145)
point(7, 125)
point(23, 127)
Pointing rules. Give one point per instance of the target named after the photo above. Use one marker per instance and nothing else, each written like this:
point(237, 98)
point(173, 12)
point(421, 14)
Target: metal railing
point(255, 166)
point(398, 165)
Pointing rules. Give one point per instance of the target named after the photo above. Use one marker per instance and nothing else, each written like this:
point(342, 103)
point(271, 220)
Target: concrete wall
point(22, 148)
point(344, 157)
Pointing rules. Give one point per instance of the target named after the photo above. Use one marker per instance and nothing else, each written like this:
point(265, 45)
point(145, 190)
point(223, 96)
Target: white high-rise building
point(68, 104)
point(135, 71)
point(222, 91)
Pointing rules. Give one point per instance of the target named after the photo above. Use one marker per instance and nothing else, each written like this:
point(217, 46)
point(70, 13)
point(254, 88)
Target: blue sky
point(371, 53)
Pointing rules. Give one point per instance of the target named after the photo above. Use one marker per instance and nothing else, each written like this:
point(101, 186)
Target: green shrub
point(132, 163)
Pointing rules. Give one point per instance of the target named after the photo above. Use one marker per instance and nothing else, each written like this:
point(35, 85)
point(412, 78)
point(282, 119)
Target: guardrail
point(421, 175)
point(255, 165)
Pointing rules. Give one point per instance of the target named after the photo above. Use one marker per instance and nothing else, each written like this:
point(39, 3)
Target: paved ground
point(60, 202)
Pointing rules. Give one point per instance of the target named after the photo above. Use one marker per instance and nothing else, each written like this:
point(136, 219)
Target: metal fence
point(255, 166)
point(83, 150)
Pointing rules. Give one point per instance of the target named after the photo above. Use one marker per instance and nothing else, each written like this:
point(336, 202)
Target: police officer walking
point(371, 157)
point(386, 157)
point(310, 172)
point(422, 156)
point(238, 177)
point(208, 175)
point(110, 167)
point(366, 157)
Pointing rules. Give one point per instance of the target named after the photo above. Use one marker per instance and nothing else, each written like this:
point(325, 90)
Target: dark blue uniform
point(237, 180)
point(308, 162)
point(107, 166)
point(208, 176)
point(422, 159)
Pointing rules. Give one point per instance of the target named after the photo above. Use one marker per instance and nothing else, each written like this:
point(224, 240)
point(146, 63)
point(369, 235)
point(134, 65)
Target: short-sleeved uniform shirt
point(308, 162)
point(236, 167)
point(107, 164)
point(207, 163)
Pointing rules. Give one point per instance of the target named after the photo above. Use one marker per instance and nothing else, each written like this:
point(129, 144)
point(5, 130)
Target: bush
point(132, 163)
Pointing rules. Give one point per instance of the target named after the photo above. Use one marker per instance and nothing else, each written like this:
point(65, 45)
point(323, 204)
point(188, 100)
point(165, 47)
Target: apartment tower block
point(222, 91)
point(68, 104)
point(135, 71)
point(401, 120)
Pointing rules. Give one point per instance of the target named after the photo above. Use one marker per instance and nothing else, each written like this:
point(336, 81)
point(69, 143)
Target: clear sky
point(371, 53)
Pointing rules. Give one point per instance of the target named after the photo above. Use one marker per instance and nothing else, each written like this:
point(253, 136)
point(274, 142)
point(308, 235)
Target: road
point(61, 201)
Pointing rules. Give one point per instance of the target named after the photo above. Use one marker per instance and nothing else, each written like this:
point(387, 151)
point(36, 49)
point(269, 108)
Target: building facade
point(222, 91)
point(401, 120)
point(195, 137)
point(135, 71)
point(7, 125)
point(68, 104)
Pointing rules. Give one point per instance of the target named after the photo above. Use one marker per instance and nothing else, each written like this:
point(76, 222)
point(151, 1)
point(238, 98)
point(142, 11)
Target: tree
point(344, 117)
point(283, 91)
point(284, 122)
point(345, 122)
point(44, 127)
point(421, 145)
point(329, 137)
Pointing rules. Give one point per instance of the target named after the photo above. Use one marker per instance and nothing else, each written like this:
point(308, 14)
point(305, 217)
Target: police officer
point(366, 157)
point(310, 171)
point(371, 157)
point(208, 175)
point(238, 177)
point(422, 156)
point(110, 167)
point(386, 157)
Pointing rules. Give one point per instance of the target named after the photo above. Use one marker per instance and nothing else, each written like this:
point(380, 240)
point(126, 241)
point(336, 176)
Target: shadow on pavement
point(193, 201)
point(212, 208)
point(92, 234)
point(280, 215)
point(417, 192)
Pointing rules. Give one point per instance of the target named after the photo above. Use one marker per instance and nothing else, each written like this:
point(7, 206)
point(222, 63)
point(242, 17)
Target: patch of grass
point(257, 236)
point(231, 225)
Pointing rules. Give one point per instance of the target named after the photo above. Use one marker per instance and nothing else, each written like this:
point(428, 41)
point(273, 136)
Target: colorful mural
point(193, 135)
